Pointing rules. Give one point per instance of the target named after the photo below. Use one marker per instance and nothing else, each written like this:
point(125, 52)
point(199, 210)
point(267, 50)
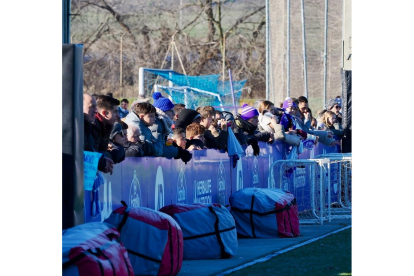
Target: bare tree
point(228, 36)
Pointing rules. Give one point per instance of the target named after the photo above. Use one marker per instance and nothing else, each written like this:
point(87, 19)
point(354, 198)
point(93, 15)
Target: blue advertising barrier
point(209, 177)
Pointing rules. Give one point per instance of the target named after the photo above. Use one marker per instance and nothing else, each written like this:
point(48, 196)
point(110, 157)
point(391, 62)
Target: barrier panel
point(209, 177)
point(340, 169)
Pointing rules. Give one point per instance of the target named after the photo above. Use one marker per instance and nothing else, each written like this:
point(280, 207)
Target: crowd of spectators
point(170, 130)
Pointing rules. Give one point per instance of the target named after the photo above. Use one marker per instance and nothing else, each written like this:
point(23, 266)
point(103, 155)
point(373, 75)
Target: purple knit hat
point(248, 112)
point(288, 103)
point(162, 103)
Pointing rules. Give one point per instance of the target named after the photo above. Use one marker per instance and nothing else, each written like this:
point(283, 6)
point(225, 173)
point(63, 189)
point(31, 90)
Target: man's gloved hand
point(184, 155)
point(255, 145)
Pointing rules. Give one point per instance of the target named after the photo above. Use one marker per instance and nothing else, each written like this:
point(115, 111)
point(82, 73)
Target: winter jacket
point(249, 130)
point(213, 142)
point(160, 130)
point(133, 150)
point(103, 131)
point(146, 134)
point(117, 153)
point(91, 142)
point(122, 114)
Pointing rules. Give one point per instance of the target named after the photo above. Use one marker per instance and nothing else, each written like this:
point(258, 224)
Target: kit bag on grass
point(153, 240)
point(265, 213)
point(209, 231)
point(93, 249)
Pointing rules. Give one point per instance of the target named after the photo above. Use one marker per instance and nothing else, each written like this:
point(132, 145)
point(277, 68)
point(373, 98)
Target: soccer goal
point(193, 91)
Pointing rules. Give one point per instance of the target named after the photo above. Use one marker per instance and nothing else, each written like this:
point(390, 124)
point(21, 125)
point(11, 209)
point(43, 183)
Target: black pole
point(65, 21)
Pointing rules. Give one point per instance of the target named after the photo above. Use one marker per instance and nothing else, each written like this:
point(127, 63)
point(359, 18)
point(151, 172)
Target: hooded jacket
point(146, 134)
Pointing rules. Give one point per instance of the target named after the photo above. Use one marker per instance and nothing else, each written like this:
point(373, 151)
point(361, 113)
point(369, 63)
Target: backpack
point(209, 231)
point(93, 249)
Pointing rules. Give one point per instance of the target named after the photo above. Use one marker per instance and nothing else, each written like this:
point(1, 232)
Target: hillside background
point(206, 33)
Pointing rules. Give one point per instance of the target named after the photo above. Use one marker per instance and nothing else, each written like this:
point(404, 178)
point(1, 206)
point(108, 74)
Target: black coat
point(90, 142)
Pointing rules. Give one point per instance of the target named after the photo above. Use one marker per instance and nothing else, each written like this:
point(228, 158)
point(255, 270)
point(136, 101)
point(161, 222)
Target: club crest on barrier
point(239, 175)
point(181, 186)
point(135, 192)
point(221, 183)
point(159, 189)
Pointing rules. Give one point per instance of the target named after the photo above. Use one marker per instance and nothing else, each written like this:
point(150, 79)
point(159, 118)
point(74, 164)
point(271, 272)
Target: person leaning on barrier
point(135, 147)
point(195, 137)
point(246, 129)
point(213, 138)
point(324, 137)
point(143, 116)
point(330, 122)
point(117, 142)
point(179, 139)
point(162, 127)
point(91, 136)
point(105, 118)
point(269, 106)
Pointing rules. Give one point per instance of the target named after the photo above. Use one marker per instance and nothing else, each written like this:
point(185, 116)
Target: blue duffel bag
point(209, 231)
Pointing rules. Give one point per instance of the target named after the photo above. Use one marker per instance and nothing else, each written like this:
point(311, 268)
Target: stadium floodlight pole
point(288, 50)
point(267, 49)
point(325, 52)
point(232, 91)
point(305, 71)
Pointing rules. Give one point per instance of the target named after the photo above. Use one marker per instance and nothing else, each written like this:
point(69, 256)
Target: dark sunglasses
point(337, 107)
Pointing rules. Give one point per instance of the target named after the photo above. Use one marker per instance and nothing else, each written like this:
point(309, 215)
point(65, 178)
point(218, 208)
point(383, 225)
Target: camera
point(228, 123)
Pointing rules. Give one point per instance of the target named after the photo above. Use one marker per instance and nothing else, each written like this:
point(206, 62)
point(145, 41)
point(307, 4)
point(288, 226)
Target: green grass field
point(325, 257)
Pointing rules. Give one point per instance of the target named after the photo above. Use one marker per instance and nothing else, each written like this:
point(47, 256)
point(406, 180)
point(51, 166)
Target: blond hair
point(325, 119)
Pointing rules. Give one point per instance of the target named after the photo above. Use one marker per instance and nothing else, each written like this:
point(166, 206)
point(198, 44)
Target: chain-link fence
point(314, 25)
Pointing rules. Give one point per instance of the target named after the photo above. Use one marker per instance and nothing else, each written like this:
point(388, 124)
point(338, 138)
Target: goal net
point(193, 91)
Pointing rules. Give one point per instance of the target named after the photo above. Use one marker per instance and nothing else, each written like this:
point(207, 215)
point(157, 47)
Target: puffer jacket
point(146, 134)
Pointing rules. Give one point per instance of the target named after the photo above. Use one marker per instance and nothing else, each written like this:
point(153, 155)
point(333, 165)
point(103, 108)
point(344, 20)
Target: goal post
point(193, 91)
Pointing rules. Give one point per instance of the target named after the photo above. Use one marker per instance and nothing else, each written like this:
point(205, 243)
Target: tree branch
point(240, 20)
